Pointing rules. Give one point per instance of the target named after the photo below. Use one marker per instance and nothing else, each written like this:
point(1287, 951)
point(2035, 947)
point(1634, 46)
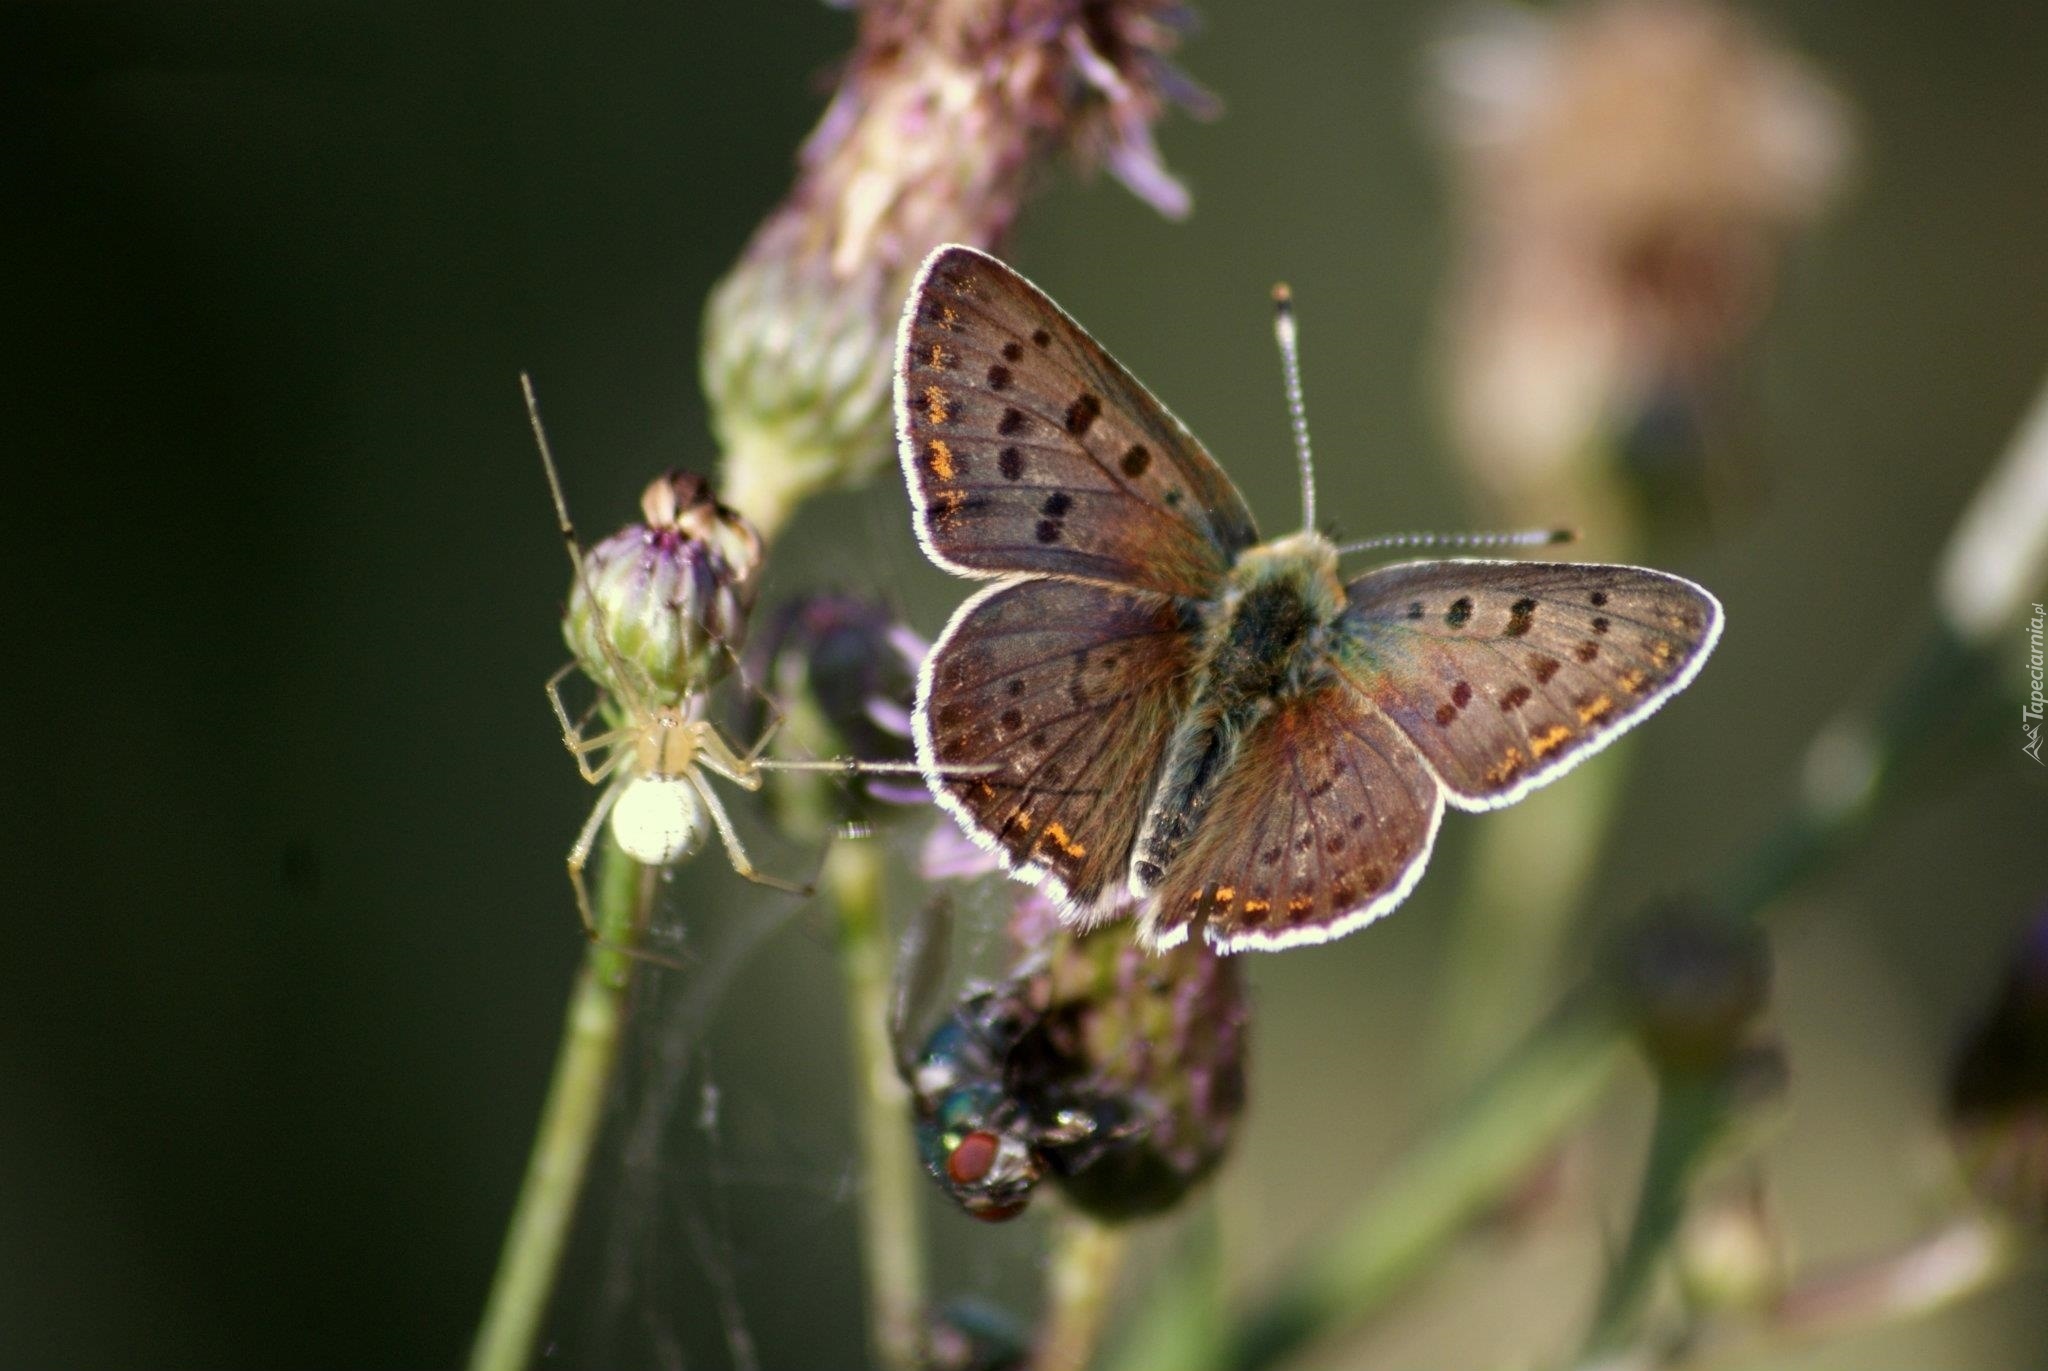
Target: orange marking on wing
point(1548, 740)
point(935, 407)
point(1633, 679)
point(1226, 894)
point(942, 459)
point(1599, 707)
point(1661, 652)
point(1056, 834)
point(1509, 765)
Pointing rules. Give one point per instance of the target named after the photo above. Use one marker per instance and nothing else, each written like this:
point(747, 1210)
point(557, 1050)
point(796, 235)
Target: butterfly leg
point(733, 849)
point(579, 858)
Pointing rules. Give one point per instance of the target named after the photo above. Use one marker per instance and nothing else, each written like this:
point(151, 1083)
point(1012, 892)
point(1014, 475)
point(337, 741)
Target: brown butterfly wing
point(1029, 450)
point(1066, 691)
point(1505, 674)
point(1322, 823)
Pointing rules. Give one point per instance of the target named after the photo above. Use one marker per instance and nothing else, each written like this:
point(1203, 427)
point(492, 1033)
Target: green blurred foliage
point(285, 820)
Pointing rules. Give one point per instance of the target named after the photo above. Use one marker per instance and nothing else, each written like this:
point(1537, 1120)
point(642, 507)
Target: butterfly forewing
point(1505, 674)
point(1030, 450)
point(1041, 718)
point(1323, 822)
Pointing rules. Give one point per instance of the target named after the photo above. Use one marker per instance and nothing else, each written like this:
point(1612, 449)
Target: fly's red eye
point(973, 1158)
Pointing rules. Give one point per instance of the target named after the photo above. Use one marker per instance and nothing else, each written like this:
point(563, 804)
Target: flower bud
point(940, 125)
point(1730, 1253)
point(665, 602)
point(1998, 1089)
point(1695, 984)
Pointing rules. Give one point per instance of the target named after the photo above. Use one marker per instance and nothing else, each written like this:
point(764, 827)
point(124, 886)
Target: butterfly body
point(1158, 707)
point(1264, 639)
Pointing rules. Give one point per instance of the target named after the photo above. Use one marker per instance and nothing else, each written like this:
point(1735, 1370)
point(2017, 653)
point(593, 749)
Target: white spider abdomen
point(658, 819)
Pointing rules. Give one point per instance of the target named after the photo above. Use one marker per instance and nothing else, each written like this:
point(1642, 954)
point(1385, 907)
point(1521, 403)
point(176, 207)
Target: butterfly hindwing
point(1066, 692)
point(1322, 822)
point(1028, 449)
point(1505, 674)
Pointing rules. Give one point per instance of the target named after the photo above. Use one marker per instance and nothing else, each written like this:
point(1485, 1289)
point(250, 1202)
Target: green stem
point(1458, 1172)
point(892, 1240)
point(1692, 1114)
point(1080, 1288)
point(507, 1338)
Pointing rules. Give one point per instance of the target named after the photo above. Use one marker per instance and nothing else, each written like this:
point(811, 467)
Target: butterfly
point(1163, 709)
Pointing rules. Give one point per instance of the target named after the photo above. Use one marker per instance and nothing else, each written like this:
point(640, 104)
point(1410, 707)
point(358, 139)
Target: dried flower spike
point(940, 127)
point(666, 599)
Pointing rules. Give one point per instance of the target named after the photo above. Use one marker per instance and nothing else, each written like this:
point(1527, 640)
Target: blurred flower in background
point(1628, 174)
point(843, 670)
point(942, 124)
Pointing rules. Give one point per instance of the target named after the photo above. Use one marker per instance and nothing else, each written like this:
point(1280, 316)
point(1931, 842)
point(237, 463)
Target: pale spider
point(655, 793)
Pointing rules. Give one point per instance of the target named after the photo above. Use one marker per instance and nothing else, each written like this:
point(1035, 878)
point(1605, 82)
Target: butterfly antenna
point(568, 531)
point(1290, 365)
point(1530, 537)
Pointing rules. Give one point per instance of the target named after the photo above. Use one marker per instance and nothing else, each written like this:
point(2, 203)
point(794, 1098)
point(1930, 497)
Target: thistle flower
point(939, 128)
point(1117, 1073)
point(845, 671)
point(1630, 171)
point(1998, 1088)
point(666, 599)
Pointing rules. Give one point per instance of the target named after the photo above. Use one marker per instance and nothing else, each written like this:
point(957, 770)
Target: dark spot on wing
point(1520, 613)
point(1057, 504)
point(1516, 697)
point(1461, 694)
point(1459, 612)
point(1012, 420)
point(1545, 668)
point(1599, 598)
point(1586, 651)
point(1148, 872)
point(1041, 337)
point(1269, 857)
point(998, 377)
point(1415, 609)
point(1012, 351)
point(1600, 624)
point(1173, 496)
point(1011, 464)
point(1012, 720)
point(1048, 531)
point(1082, 414)
point(1014, 688)
point(1136, 460)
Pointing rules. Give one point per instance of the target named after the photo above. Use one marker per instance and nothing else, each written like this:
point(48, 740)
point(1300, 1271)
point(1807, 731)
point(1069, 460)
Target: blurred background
point(290, 933)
